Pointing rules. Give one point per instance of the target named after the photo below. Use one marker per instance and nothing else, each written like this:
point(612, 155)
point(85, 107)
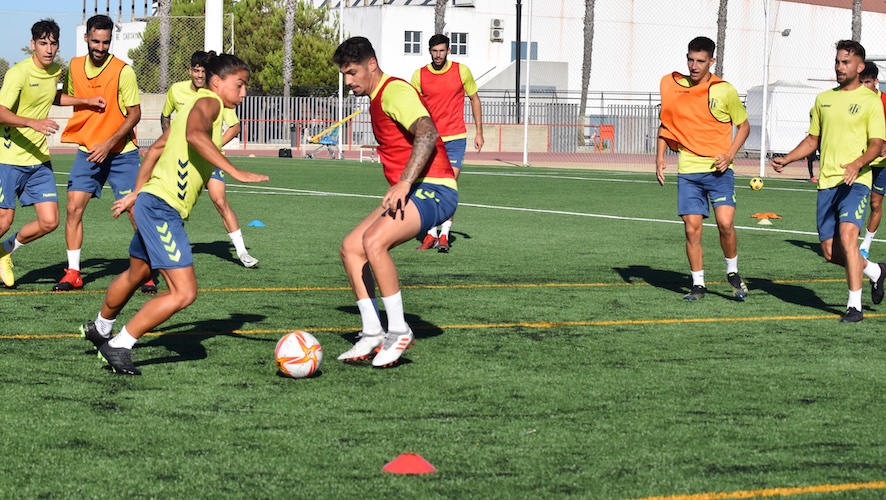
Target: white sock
point(732, 265)
point(433, 231)
point(698, 278)
point(444, 228)
point(872, 270)
point(854, 299)
point(868, 239)
point(369, 314)
point(74, 259)
point(12, 244)
point(394, 310)
point(237, 240)
point(126, 341)
point(104, 326)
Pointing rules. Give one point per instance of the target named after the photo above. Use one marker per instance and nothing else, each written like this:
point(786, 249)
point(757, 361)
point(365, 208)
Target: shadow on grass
point(186, 340)
point(793, 294)
point(808, 245)
point(422, 329)
point(453, 237)
point(220, 249)
point(667, 280)
point(92, 270)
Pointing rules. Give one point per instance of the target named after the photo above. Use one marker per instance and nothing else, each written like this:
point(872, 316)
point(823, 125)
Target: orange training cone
point(409, 463)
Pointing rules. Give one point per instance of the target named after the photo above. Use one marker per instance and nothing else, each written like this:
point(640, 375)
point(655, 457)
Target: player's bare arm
point(95, 102)
point(230, 133)
point(164, 123)
point(660, 165)
point(100, 151)
point(870, 154)
point(806, 147)
point(722, 162)
point(144, 174)
point(199, 136)
point(423, 146)
point(477, 112)
point(45, 126)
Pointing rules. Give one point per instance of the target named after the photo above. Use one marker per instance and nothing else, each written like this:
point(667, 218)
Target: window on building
point(532, 57)
point(412, 42)
point(458, 44)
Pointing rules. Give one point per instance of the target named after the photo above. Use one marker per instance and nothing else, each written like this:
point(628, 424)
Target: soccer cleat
point(864, 252)
point(366, 346)
point(696, 293)
point(739, 289)
point(393, 347)
point(443, 244)
point(852, 315)
point(877, 286)
point(70, 281)
point(149, 287)
point(6, 274)
point(119, 358)
point(89, 332)
point(428, 243)
point(247, 260)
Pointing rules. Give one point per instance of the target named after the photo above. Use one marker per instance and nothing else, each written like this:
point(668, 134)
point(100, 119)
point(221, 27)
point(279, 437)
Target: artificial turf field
point(554, 355)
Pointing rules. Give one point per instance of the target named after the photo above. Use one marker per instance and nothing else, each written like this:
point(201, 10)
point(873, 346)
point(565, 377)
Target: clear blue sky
point(16, 19)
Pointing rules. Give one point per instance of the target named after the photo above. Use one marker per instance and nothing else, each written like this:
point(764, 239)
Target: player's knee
point(876, 203)
point(47, 226)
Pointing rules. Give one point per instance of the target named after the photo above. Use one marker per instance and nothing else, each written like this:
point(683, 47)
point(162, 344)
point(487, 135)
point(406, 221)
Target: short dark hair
point(45, 28)
point(702, 44)
point(870, 70)
point(355, 50)
point(199, 58)
point(223, 65)
point(99, 22)
point(437, 40)
point(852, 47)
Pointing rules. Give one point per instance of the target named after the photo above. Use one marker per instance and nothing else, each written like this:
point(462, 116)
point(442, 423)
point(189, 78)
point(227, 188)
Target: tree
point(586, 67)
point(856, 20)
point(287, 48)
point(439, 16)
point(164, 6)
point(721, 37)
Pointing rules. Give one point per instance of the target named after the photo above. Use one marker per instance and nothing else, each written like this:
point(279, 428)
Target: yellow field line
point(474, 286)
point(475, 326)
point(773, 492)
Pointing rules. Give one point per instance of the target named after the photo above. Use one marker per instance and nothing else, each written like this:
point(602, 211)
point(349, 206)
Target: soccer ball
point(298, 354)
point(756, 183)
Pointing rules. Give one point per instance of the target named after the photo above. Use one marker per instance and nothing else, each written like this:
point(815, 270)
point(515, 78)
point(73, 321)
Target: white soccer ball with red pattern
point(298, 354)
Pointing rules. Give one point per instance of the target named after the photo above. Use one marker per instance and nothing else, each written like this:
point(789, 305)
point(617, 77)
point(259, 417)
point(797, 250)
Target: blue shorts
point(118, 169)
point(696, 191)
point(161, 240)
point(219, 175)
point(455, 150)
point(841, 203)
point(879, 184)
point(436, 203)
point(30, 185)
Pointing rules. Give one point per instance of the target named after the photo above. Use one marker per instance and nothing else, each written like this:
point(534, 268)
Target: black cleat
point(852, 315)
point(739, 289)
point(877, 286)
point(119, 359)
point(149, 287)
point(696, 293)
point(89, 332)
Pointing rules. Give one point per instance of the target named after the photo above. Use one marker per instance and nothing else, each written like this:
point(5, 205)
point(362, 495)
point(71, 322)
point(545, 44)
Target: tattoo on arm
point(423, 146)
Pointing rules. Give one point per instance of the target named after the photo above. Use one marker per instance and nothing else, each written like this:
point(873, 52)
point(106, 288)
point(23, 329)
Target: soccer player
point(108, 150)
point(178, 95)
point(175, 170)
point(444, 84)
point(423, 193)
point(29, 90)
point(848, 127)
point(698, 112)
point(868, 78)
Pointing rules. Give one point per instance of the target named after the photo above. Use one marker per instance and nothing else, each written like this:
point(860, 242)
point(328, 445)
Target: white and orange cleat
point(392, 348)
point(366, 346)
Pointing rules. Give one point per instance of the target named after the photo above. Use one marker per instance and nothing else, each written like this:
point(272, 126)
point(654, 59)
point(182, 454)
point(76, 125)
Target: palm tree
point(721, 37)
point(856, 20)
point(439, 16)
point(287, 56)
point(586, 67)
point(165, 7)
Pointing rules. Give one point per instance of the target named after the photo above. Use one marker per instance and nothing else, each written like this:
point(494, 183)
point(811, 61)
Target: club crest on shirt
point(853, 109)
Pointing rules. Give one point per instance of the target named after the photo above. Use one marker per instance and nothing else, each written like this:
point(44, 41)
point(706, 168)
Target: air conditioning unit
point(497, 30)
point(463, 3)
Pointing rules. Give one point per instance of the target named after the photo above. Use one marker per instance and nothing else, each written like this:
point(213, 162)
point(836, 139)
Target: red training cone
point(409, 463)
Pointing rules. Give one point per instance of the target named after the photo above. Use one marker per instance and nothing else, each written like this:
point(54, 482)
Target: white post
point(764, 122)
point(341, 83)
point(214, 22)
point(526, 100)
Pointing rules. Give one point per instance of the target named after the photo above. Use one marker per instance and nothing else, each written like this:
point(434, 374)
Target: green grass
point(554, 356)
